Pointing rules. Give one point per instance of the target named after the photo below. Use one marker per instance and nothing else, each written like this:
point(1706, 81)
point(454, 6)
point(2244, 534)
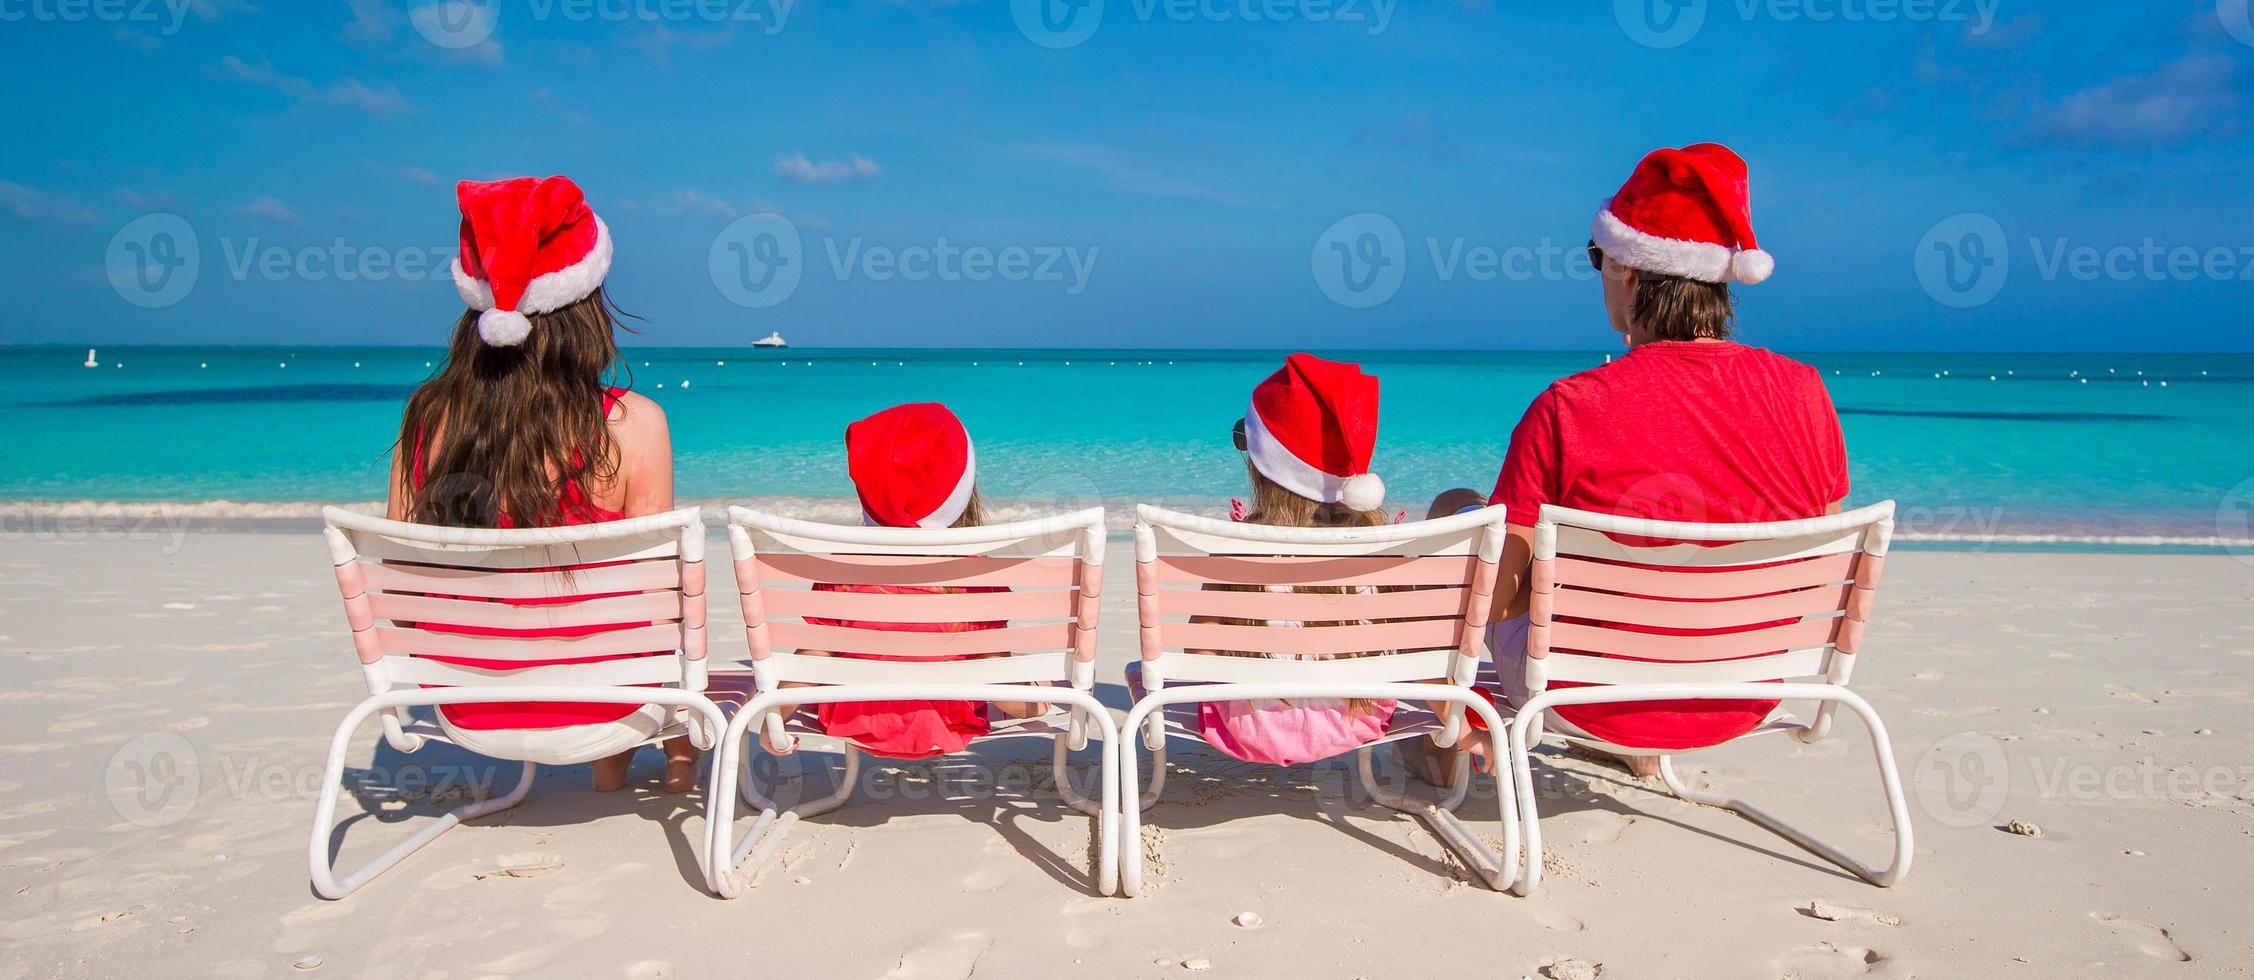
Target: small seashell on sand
point(2023, 828)
point(1249, 920)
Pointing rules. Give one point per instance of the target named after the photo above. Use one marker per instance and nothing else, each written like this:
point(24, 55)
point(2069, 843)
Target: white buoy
point(284, 364)
point(204, 364)
point(684, 382)
point(719, 364)
point(661, 386)
point(356, 364)
point(90, 361)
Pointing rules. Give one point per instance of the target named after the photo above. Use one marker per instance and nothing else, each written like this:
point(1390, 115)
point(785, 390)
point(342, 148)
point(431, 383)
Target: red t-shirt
point(1677, 431)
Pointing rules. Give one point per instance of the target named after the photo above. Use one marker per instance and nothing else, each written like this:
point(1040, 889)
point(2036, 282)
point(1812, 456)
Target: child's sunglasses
point(1237, 435)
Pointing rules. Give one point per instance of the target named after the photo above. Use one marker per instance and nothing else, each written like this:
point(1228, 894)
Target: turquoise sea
point(1980, 449)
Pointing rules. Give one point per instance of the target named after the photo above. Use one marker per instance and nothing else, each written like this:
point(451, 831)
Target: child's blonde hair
point(1275, 506)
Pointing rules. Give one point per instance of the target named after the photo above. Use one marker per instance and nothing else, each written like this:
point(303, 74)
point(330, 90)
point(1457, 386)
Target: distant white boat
point(771, 340)
point(90, 361)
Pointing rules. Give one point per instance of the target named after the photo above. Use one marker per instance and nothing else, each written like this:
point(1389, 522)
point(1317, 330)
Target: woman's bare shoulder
point(633, 411)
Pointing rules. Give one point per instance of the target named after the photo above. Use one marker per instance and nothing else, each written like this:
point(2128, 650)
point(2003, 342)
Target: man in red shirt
point(1689, 425)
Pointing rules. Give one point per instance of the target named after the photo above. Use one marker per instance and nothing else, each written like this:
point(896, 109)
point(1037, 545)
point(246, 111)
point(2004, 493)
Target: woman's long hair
point(514, 426)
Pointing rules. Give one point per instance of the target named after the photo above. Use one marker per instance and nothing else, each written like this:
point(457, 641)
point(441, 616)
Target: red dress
point(577, 509)
point(909, 729)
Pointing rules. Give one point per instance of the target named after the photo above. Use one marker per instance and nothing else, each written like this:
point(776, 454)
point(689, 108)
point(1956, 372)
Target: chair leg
point(1890, 779)
point(1128, 841)
point(325, 882)
point(1440, 817)
point(1521, 766)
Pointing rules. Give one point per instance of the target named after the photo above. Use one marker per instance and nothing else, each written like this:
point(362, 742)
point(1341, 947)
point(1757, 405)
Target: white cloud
point(799, 167)
point(271, 209)
point(373, 23)
point(348, 93)
point(34, 206)
point(420, 175)
point(2181, 100)
point(696, 201)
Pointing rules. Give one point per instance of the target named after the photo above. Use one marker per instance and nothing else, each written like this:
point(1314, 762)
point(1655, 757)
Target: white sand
point(221, 660)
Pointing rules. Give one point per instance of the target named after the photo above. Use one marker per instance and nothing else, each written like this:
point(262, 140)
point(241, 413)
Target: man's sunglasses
point(1237, 434)
point(1596, 256)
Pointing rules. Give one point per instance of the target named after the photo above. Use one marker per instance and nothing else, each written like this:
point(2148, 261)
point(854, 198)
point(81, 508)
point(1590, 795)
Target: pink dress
point(577, 509)
point(1292, 733)
point(909, 729)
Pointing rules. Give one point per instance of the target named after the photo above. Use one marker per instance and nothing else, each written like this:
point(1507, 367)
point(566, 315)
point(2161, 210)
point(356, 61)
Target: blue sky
point(1156, 174)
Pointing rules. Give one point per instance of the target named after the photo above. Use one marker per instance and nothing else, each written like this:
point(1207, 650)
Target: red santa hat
point(529, 245)
point(912, 466)
point(1686, 212)
point(1312, 428)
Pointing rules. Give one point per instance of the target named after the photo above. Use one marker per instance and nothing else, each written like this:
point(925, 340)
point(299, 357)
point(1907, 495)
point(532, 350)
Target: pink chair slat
point(1311, 607)
point(1868, 570)
point(402, 641)
point(1850, 636)
point(692, 642)
point(692, 578)
point(895, 643)
point(1719, 584)
point(1146, 609)
point(1302, 570)
point(367, 645)
point(946, 570)
point(351, 580)
point(1425, 634)
point(961, 607)
point(359, 611)
point(1584, 638)
point(485, 583)
point(1700, 615)
point(641, 607)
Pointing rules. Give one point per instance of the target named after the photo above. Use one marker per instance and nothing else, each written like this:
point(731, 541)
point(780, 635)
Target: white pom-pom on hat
point(503, 328)
point(1752, 266)
point(1364, 492)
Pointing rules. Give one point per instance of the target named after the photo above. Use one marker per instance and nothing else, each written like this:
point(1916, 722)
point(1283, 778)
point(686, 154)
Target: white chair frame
point(1857, 541)
point(1445, 676)
point(359, 544)
point(1067, 679)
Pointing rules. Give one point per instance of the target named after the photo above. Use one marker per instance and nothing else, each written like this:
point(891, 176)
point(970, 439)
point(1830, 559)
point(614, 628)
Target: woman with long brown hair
point(521, 427)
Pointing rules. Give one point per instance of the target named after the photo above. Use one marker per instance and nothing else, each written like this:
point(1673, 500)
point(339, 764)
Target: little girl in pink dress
point(1307, 444)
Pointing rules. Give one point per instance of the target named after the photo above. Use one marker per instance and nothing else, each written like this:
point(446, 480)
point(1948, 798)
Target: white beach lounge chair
point(1050, 576)
point(643, 578)
point(1424, 642)
point(1816, 577)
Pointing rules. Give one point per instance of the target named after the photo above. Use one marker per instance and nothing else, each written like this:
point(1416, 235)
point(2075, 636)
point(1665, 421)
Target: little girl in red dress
point(912, 466)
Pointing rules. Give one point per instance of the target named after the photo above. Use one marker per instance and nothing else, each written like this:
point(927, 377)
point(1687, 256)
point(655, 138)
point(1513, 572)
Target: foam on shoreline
point(20, 518)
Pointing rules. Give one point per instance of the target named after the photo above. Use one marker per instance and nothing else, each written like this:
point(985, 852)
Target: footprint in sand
point(995, 867)
point(1827, 960)
point(952, 958)
point(1085, 928)
point(1605, 827)
point(2149, 939)
point(1556, 920)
